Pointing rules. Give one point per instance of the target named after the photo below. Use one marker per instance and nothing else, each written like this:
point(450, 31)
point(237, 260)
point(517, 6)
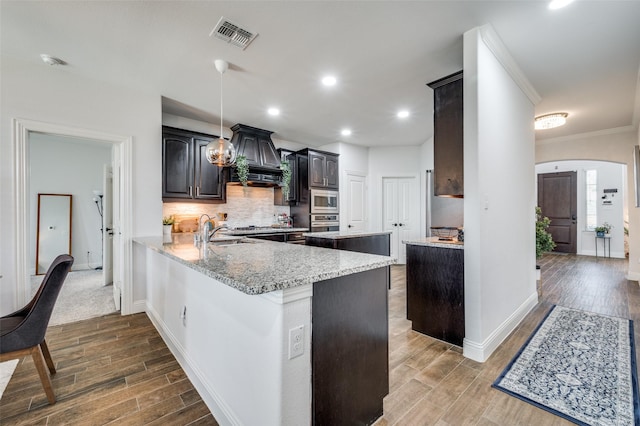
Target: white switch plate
point(296, 341)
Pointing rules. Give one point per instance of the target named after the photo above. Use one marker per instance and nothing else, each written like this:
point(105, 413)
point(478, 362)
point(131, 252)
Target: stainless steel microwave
point(323, 201)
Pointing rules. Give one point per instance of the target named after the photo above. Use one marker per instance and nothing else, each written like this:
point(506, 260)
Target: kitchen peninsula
point(258, 325)
point(363, 242)
point(435, 288)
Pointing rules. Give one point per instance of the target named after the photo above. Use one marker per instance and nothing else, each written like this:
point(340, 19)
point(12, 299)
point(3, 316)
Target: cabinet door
point(331, 171)
point(209, 184)
point(293, 185)
point(317, 173)
point(448, 139)
point(177, 166)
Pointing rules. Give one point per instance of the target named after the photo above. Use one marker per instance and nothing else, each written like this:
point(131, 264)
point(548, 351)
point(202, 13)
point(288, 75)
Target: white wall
point(82, 163)
point(499, 196)
point(610, 175)
point(614, 145)
point(34, 91)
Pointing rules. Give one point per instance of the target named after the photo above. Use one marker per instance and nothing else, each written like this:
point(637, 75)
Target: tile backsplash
point(244, 207)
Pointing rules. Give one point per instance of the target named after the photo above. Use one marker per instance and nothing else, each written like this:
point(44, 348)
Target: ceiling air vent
point(232, 33)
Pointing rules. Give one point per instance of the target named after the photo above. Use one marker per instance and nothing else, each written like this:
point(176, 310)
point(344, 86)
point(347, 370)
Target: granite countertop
point(272, 230)
point(435, 242)
point(258, 266)
point(337, 235)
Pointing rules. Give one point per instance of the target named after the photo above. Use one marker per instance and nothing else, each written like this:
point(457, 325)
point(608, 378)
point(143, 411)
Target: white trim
point(288, 295)
point(579, 136)
point(492, 40)
point(21, 129)
point(223, 413)
point(482, 351)
point(633, 276)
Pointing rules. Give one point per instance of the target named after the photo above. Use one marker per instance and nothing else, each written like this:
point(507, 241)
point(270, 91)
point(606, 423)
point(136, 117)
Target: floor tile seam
point(408, 410)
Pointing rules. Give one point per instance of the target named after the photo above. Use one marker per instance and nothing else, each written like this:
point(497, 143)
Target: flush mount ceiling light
point(559, 4)
point(345, 132)
point(403, 113)
point(221, 152)
point(329, 80)
point(273, 111)
point(549, 121)
point(52, 60)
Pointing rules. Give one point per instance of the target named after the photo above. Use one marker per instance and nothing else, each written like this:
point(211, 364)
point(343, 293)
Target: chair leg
point(38, 360)
point(47, 357)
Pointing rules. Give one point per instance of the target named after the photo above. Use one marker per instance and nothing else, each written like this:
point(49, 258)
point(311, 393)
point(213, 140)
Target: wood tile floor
point(117, 370)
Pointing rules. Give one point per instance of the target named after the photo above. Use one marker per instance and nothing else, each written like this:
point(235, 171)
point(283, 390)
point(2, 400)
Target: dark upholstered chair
point(22, 332)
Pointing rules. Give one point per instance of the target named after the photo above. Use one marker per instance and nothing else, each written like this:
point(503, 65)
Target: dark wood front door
point(557, 200)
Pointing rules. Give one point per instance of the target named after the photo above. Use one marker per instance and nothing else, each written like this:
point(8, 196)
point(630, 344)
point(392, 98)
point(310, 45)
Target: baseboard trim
point(633, 276)
point(222, 413)
point(139, 306)
point(480, 352)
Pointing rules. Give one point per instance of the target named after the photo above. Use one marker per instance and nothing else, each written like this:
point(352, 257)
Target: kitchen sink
point(229, 240)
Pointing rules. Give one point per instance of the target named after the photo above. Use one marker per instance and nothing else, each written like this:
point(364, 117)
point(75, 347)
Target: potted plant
point(603, 229)
point(286, 179)
point(242, 169)
point(167, 224)
point(544, 241)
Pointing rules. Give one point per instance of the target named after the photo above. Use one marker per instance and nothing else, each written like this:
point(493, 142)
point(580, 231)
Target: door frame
point(121, 157)
point(343, 202)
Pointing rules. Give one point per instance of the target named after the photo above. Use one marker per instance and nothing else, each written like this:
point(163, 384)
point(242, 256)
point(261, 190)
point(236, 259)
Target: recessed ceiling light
point(329, 80)
point(52, 60)
point(559, 4)
point(345, 132)
point(273, 111)
point(403, 113)
point(549, 121)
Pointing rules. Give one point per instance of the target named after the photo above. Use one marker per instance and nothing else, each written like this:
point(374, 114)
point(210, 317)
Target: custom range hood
point(264, 162)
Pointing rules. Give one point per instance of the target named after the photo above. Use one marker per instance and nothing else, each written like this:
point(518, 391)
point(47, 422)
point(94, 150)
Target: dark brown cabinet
point(186, 173)
point(323, 170)
point(435, 292)
point(448, 136)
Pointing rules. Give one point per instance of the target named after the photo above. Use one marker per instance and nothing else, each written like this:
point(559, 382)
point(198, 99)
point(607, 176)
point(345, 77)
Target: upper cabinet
point(186, 173)
point(278, 195)
point(323, 169)
point(448, 136)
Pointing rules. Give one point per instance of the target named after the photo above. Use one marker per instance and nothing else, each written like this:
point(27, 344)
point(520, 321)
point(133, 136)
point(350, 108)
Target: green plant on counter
point(286, 178)
point(242, 169)
point(168, 220)
point(605, 228)
point(544, 241)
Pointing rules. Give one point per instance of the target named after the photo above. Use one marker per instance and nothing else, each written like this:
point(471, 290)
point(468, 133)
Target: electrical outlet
point(296, 341)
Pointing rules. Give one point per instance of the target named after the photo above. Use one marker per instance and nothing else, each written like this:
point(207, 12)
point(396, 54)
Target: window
point(591, 183)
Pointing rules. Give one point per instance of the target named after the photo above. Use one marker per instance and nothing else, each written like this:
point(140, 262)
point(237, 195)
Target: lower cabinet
point(435, 292)
point(372, 244)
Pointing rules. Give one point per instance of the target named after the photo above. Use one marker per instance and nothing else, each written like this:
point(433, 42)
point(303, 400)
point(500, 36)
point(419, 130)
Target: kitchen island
point(363, 242)
point(435, 288)
point(238, 317)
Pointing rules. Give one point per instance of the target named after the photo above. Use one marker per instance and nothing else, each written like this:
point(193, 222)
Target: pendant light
point(222, 153)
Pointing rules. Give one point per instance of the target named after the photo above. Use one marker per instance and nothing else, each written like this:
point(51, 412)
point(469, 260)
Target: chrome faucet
point(216, 229)
point(203, 229)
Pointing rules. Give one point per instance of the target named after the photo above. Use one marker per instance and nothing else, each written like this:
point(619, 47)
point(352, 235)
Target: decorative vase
point(166, 229)
point(600, 233)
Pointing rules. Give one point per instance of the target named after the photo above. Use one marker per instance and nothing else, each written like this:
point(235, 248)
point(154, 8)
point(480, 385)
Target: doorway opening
point(120, 148)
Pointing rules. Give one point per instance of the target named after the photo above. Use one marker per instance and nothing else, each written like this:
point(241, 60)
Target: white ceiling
point(583, 59)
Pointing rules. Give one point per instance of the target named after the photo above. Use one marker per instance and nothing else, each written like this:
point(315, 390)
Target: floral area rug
point(580, 366)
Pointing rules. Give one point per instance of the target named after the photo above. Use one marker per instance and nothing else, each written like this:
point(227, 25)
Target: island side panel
point(372, 244)
point(435, 292)
point(349, 348)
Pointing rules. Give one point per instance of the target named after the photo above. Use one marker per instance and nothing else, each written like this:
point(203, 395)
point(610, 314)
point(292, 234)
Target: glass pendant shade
point(221, 152)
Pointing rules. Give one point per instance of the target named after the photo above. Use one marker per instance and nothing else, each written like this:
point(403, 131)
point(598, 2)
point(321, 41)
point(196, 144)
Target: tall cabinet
point(448, 136)
point(186, 173)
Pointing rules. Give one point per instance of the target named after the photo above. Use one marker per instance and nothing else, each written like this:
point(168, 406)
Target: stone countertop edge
point(434, 242)
point(337, 235)
point(273, 230)
point(250, 267)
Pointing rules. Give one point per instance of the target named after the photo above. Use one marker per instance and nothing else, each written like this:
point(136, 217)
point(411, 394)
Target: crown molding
point(493, 41)
point(586, 135)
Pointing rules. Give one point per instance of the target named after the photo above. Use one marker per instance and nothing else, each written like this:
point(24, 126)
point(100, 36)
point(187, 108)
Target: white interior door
point(107, 225)
point(356, 202)
point(400, 212)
